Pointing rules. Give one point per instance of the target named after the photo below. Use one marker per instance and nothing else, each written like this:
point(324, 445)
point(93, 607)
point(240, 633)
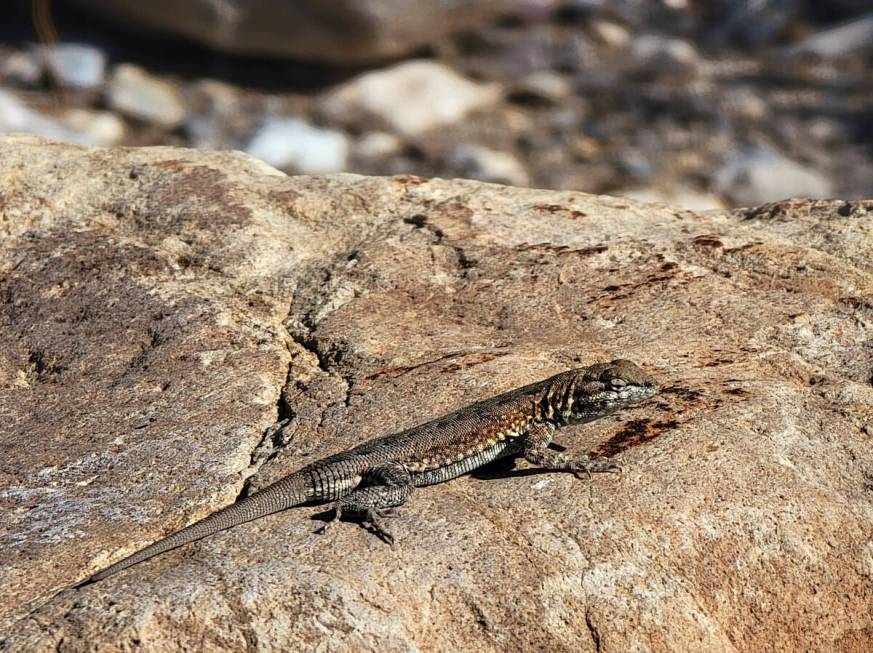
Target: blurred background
point(700, 104)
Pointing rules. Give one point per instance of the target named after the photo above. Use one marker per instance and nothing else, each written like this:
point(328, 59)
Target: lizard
point(372, 479)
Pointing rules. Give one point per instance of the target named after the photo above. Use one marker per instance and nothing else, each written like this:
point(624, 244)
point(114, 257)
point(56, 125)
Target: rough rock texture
point(160, 309)
point(330, 31)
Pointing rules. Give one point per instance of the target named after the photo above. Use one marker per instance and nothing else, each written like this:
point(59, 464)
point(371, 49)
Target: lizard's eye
point(617, 383)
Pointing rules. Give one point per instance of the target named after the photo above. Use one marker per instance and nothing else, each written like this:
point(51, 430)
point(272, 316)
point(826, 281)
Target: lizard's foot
point(370, 518)
point(337, 513)
point(373, 521)
point(589, 466)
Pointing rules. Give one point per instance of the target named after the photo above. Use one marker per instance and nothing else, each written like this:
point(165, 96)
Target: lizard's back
point(457, 442)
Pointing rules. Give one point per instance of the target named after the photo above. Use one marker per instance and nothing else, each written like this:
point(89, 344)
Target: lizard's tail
point(286, 493)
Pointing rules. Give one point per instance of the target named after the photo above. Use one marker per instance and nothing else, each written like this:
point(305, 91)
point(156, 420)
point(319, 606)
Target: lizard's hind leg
point(384, 489)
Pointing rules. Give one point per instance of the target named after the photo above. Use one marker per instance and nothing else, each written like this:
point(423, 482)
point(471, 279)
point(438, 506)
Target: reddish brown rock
point(160, 309)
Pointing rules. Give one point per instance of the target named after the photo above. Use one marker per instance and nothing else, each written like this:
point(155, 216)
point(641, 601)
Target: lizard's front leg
point(385, 488)
point(537, 451)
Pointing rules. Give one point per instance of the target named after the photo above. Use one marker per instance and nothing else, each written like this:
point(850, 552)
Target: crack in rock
point(595, 634)
point(274, 437)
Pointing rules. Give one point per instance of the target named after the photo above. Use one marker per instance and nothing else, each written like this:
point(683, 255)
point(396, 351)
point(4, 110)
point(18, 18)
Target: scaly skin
point(377, 476)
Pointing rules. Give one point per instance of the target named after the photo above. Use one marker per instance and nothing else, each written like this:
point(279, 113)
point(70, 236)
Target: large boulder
point(162, 310)
point(330, 31)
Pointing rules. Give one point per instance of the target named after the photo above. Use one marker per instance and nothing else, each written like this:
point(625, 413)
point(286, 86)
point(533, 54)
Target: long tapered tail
point(286, 493)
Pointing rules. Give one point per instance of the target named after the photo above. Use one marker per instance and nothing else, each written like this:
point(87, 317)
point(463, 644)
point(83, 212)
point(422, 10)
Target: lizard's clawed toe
point(372, 520)
point(589, 466)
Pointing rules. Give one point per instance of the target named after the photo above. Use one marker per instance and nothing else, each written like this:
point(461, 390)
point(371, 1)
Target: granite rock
point(161, 309)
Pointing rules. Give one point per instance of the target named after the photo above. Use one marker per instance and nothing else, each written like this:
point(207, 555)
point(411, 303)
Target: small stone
point(760, 175)
point(544, 86)
point(660, 55)
point(22, 68)
point(75, 65)
point(610, 33)
point(289, 142)
point(102, 128)
point(203, 132)
point(825, 129)
point(477, 162)
point(586, 148)
point(134, 92)
point(839, 41)
point(215, 118)
point(411, 97)
point(751, 23)
point(15, 116)
point(635, 165)
point(746, 103)
point(377, 145)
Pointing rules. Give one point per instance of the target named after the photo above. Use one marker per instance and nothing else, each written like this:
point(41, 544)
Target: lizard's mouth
point(611, 400)
point(616, 398)
point(631, 394)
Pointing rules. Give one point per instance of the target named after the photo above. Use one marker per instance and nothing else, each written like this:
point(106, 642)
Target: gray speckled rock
point(332, 31)
point(758, 175)
point(161, 308)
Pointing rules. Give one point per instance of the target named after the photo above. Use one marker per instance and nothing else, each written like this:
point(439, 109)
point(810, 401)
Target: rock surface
point(332, 31)
point(161, 309)
point(687, 198)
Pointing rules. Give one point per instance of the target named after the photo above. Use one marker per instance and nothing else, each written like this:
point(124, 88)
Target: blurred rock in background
point(342, 32)
point(704, 104)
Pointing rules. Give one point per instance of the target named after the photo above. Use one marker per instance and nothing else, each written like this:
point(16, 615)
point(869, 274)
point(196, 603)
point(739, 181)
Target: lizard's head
point(607, 387)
